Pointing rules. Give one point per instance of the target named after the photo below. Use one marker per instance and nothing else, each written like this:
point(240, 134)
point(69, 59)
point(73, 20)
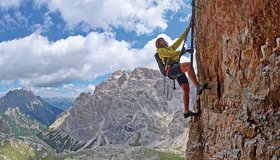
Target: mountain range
point(16, 123)
point(129, 109)
point(29, 104)
point(127, 117)
point(62, 103)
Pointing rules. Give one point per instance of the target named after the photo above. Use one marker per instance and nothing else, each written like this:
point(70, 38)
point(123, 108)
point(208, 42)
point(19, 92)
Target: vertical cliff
point(238, 52)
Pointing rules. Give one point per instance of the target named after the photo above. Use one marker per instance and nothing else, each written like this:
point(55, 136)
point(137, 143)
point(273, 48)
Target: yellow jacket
point(170, 53)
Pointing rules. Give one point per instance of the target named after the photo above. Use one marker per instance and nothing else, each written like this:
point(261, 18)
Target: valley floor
point(17, 149)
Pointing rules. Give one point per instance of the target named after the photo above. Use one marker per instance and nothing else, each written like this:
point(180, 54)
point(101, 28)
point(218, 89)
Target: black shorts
point(175, 72)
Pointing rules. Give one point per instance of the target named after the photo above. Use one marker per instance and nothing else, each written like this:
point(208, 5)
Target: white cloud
point(41, 28)
point(186, 18)
point(43, 66)
point(9, 3)
point(13, 20)
point(37, 62)
point(140, 16)
point(68, 90)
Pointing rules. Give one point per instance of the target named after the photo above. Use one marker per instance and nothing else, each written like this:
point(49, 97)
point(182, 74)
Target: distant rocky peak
point(145, 73)
point(139, 73)
point(18, 96)
point(128, 109)
point(20, 93)
point(117, 75)
point(82, 97)
point(29, 104)
point(119, 79)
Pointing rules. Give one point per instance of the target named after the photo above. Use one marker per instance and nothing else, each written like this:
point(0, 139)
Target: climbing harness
point(163, 66)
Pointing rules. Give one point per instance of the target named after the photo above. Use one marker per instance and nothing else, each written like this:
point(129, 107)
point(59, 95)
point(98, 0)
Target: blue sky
point(65, 47)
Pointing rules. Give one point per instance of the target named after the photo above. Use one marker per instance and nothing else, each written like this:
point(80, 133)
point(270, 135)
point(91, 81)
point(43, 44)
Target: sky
point(61, 48)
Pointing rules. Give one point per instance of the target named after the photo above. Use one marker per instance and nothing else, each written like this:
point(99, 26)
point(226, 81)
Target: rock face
point(238, 46)
point(4, 128)
point(129, 109)
point(19, 124)
point(30, 104)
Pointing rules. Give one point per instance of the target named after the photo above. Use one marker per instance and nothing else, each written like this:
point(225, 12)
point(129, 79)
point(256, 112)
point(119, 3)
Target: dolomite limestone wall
point(238, 52)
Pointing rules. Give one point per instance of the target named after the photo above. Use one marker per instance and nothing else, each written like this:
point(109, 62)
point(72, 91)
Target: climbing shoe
point(190, 113)
point(201, 87)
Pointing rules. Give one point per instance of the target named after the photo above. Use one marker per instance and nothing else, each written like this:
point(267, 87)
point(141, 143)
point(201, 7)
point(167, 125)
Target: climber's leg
point(187, 67)
point(186, 92)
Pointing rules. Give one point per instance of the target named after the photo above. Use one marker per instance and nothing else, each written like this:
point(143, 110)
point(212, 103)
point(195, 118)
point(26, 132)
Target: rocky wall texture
point(238, 52)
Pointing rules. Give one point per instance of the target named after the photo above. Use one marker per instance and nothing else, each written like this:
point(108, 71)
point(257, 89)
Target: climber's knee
point(186, 66)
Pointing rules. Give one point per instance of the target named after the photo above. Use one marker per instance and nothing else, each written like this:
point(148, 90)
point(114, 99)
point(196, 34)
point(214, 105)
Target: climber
point(176, 70)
